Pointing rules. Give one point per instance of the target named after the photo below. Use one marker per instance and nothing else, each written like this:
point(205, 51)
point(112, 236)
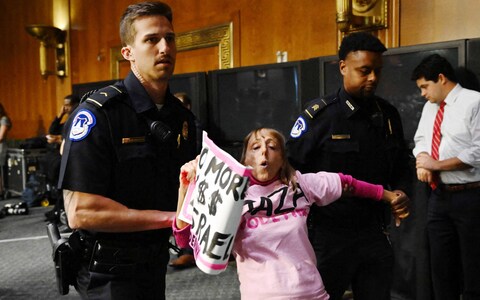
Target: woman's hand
point(187, 174)
point(188, 171)
point(399, 202)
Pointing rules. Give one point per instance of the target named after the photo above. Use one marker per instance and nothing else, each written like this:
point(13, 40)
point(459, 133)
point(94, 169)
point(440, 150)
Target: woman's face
point(264, 155)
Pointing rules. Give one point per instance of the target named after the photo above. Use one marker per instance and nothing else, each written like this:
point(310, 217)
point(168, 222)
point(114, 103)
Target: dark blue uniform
point(362, 138)
point(111, 151)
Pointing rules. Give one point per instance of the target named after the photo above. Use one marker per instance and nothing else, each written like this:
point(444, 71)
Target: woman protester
point(275, 259)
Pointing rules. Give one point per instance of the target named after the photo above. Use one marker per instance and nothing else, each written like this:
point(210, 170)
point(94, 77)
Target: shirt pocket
point(129, 152)
point(135, 160)
point(342, 146)
point(341, 156)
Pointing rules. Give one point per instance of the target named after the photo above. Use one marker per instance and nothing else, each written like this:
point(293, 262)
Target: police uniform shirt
point(112, 152)
point(359, 138)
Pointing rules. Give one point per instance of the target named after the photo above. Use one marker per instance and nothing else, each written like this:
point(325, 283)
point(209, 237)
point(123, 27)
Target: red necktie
point(436, 137)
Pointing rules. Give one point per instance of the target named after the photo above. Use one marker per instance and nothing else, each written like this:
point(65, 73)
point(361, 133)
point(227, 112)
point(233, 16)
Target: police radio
point(159, 130)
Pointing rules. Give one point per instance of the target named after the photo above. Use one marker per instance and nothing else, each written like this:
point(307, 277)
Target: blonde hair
point(287, 172)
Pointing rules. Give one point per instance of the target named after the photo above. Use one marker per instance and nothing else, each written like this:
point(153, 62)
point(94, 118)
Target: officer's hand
point(424, 175)
point(400, 206)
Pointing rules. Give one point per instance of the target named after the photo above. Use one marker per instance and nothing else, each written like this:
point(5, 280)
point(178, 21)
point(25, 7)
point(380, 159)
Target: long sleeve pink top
point(275, 259)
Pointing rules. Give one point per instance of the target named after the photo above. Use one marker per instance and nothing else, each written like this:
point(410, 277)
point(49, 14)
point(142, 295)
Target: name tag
point(132, 140)
point(340, 136)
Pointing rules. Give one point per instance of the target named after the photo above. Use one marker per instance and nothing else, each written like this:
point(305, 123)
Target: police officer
point(120, 165)
point(354, 132)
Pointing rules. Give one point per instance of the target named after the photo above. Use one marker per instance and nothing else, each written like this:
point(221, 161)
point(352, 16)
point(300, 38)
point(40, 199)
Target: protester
point(276, 260)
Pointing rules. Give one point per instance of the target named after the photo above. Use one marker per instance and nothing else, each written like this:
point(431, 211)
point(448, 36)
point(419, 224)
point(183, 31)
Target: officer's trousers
point(360, 258)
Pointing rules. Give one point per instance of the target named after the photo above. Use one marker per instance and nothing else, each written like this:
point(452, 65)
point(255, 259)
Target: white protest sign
point(213, 206)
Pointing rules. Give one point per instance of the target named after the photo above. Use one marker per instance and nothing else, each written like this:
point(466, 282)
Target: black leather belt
point(111, 257)
point(460, 187)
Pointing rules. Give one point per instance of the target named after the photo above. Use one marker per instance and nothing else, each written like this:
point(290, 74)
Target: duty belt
point(111, 258)
point(460, 187)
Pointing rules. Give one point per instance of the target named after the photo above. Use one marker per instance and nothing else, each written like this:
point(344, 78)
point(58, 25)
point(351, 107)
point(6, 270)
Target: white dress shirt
point(460, 133)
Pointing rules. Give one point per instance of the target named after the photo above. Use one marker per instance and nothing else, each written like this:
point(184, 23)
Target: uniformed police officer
point(120, 167)
point(354, 132)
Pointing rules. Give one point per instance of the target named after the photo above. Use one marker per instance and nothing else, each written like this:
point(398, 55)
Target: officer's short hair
point(360, 41)
point(134, 11)
point(432, 66)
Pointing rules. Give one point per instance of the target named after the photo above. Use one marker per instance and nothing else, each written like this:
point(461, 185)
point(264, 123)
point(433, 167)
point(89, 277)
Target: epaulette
point(317, 105)
point(103, 95)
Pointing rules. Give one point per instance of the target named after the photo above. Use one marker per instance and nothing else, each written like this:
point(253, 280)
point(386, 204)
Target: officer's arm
point(98, 213)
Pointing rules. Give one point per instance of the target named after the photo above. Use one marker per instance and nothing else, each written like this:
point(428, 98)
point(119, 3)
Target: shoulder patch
point(100, 97)
point(298, 128)
point(82, 124)
point(313, 108)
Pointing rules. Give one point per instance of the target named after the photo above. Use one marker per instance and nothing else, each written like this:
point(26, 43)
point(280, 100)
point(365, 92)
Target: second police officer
point(357, 133)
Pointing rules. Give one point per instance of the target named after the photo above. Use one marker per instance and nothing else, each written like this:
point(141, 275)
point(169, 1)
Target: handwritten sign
point(213, 206)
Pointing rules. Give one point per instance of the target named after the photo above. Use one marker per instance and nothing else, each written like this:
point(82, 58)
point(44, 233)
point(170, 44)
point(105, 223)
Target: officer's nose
point(163, 46)
point(373, 76)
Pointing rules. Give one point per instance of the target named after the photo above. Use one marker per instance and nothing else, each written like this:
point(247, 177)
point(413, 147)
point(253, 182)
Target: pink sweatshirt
point(275, 259)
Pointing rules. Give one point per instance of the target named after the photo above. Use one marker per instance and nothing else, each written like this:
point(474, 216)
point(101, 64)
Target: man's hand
point(54, 139)
point(425, 161)
point(424, 175)
point(63, 111)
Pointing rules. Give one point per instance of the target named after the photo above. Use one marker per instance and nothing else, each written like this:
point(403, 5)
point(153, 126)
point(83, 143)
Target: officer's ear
point(342, 66)
point(127, 53)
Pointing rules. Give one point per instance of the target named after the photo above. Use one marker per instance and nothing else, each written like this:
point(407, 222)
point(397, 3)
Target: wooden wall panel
point(424, 22)
point(94, 30)
point(29, 101)
point(265, 27)
point(199, 60)
point(303, 28)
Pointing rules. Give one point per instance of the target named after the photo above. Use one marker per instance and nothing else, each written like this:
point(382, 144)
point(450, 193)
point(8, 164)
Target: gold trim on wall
point(115, 59)
point(220, 35)
point(361, 15)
